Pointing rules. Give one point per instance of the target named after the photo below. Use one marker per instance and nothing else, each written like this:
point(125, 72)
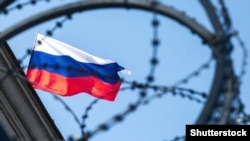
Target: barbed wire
point(20, 6)
point(67, 107)
point(242, 117)
point(177, 138)
point(143, 99)
point(234, 33)
point(195, 73)
point(58, 25)
point(85, 116)
point(244, 59)
point(155, 44)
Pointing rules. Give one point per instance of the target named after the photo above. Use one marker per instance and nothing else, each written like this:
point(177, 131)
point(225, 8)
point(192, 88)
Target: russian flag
point(61, 69)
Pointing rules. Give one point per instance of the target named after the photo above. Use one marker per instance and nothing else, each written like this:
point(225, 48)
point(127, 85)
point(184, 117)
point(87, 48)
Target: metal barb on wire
point(85, 116)
point(20, 6)
point(177, 138)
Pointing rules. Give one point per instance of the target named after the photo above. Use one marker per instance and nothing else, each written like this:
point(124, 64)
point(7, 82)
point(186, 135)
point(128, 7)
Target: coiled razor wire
point(160, 91)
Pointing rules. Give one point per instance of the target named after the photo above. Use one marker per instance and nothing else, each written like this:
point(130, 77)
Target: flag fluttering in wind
point(61, 69)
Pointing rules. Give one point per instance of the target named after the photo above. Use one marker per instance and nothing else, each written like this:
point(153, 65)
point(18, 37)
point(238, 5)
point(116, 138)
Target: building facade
point(22, 114)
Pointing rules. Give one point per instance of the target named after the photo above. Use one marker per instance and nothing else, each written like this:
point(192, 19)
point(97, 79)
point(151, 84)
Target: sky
point(125, 35)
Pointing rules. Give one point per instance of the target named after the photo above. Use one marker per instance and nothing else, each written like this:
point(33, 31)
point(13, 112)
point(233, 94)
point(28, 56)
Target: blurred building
point(22, 114)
